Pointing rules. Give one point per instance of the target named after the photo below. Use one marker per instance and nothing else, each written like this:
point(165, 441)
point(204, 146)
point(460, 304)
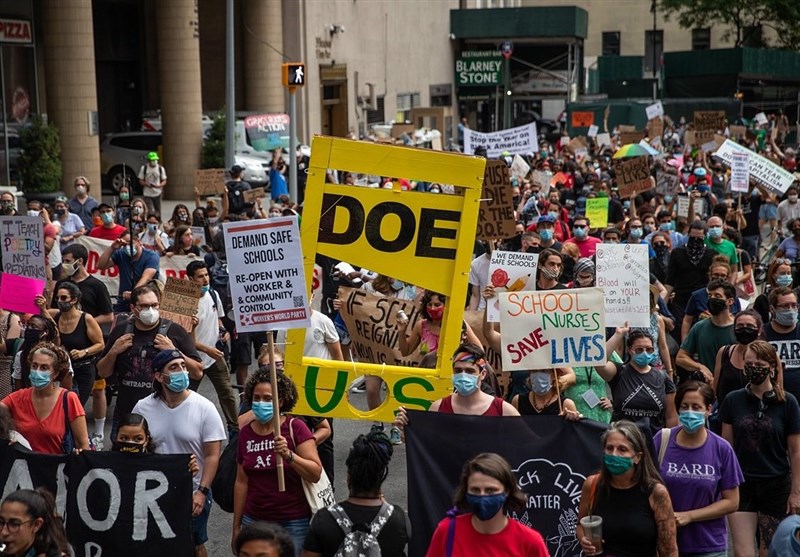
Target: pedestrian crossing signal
point(293, 74)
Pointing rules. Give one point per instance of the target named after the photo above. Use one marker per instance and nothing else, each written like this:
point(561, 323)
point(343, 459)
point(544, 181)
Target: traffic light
point(293, 74)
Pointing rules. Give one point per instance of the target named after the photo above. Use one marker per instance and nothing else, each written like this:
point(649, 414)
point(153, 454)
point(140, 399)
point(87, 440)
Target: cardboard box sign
point(496, 214)
point(180, 301)
point(707, 123)
point(250, 196)
point(633, 176)
point(210, 181)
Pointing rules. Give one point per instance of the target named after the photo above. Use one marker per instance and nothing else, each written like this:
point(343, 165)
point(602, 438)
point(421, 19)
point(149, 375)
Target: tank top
point(528, 409)
point(5, 360)
point(429, 341)
point(495, 408)
point(731, 377)
point(78, 339)
point(629, 526)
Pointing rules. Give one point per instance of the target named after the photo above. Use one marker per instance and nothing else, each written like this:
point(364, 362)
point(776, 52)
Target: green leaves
point(40, 159)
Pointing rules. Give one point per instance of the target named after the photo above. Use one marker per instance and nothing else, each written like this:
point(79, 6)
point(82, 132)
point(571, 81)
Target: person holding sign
point(137, 267)
point(425, 333)
point(545, 398)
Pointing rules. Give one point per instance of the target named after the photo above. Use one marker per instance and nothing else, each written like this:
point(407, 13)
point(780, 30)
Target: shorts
point(241, 350)
point(199, 523)
point(766, 496)
point(768, 211)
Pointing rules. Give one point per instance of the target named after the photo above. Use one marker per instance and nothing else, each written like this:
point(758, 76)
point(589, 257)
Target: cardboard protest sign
point(577, 144)
point(667, 183)
point(655, 129)
point(199, 236)
point(180, 300)
point(554, 328)
point(496, 214)
point(623, 273)
point(252, 195)
point(737, 131)
point(761, 119)
point(603, 139)
point(210, 181)
point(740, 172)
point(265, 264)
point(689, 137)
point(519, 168)
point(626, 138)
point(419, 238)
point(597, 211)
point(22, 246)
point(765, 172)
point(655, 110)
point(582, 119)
point(509, 271)
point(517, 141)
point(683, 205)
point(632, 175)
point(706, 123)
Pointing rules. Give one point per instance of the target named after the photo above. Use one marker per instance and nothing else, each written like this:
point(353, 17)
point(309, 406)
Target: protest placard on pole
point(765, 172)
point(509, 271)
point(597, 211)
point(517, 141)
point(496, 213)
point(265, 264)
point(210, 181)
point(706, 123)
point(740, 172)
point(519, 168)
point(632, 175)
point(655, 110)
point(623, 274)
point(22, 248)
point(180, 300)
point(554, 328)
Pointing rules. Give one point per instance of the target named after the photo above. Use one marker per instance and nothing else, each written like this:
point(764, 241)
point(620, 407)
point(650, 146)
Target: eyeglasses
point(579, 226)
point(147, 306)
point(641, 350)
point(13, 524)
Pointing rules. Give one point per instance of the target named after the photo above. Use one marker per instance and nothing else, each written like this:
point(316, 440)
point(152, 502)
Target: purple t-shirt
point(696, 478)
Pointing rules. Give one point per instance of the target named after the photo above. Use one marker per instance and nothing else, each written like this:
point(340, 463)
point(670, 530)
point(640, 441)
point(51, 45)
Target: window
point(701, 38)
point(377, 116)
point(653, 51)
point(611, 43)
point(405, 102)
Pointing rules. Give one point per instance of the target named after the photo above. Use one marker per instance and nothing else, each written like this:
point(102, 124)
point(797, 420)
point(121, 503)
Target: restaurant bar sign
point(15, 31)
point(479, 68)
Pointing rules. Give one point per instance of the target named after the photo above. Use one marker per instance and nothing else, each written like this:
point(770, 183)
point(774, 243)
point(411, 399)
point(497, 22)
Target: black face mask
point(716, 306)
point(128, 447)
point(745, 335)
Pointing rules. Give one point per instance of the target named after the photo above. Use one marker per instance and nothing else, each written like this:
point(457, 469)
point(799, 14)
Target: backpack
point(220, 282)
point(360, 542)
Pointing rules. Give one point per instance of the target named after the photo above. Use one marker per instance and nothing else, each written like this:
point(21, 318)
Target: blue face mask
point(703, 189)
point(715, 232)
point(665, 227)
point(635, 233)
point(465, 383)
point(667, 199)
point(541, 383)
point(579, 232)
point(783, 280)
point(204, 289)
point(691, 421)
point(553, 214)
point(617, 464)
point(546, 234)
point(397, 285)
point(485, 507)
point(263, 411)
point(39, 379)
point(178, 381)
point(644, 359)
point(626, 204)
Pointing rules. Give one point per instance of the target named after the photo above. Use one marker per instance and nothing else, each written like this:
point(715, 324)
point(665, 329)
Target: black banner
point(114, 504)
point(550, 456)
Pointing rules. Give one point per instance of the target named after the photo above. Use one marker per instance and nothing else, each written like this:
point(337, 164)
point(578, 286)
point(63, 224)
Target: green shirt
point(726, 248)
point(704, 341)
point(588, 380)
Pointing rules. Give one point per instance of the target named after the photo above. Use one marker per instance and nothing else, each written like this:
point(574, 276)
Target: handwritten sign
point(496, 214)
point(509, 271)
point(17, 293)
point(633, 176)
point(738, 131)
point(761, 119)
point(265, 263)
point(667, 183)
point(603, 139)
point(252, 195)
point(199, 236)
point(180, 300)
point(628, 137)
point(763, 171)
point(740, 172)
point(593, 129)
point(689, 137)
point(22, 245)
point(519, 168)
point(655, 110)
point(707, 123)
point(554, 328)
point(623, 274)
point(210, 181)
point(683, 206)
point(597, 211)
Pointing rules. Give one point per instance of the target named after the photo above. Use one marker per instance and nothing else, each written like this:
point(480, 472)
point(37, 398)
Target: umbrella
point(631, 150)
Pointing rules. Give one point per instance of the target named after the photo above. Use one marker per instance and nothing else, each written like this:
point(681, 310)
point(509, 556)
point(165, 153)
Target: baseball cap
point(152, 156)
point(546, 218)
point(164, 357)
point(104, 206)
point(236, 168)
point(700, 171)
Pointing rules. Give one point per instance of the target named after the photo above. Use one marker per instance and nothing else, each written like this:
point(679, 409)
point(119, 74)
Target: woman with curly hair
point(255, 495)
point(39, 411)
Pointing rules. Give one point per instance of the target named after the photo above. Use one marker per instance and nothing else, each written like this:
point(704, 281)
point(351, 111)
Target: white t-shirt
point(152, 175)
point(479, 274)
point(149, 242)
point(318, 335)
point(183, 429)
point(207, 329)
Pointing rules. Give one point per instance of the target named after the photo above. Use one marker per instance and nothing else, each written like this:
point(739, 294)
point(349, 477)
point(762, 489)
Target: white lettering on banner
point(19, 477)
point(146, 503)
point(623, 274)
point(114, 499)
point(788, 352)
point(765, 172)
point(517, 141)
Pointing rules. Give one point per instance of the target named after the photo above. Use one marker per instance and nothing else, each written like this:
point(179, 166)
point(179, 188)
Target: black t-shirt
point(95, 299)
point(640, 395)
point(236, 204)
point(684, 277)
point(788, 347)
point(750, 206)
point(134, 369)
point(616, 213)
point(324, 535)
point(761, 444)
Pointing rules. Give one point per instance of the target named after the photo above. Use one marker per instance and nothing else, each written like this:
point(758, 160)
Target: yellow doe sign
point(420, 238)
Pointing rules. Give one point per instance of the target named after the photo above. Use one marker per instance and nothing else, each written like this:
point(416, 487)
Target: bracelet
point(290, 458)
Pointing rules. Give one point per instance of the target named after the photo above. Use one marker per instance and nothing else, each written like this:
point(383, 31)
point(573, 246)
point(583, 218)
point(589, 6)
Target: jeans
point(750, 245)
point(297, 529)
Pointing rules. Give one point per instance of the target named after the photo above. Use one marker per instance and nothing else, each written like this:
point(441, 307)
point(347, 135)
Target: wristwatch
point(204, 490)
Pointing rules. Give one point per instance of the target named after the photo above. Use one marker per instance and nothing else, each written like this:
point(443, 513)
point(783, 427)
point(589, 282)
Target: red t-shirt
point(588, 247)
point(495, 408)
point(256, 454)
point(44, 436)
point(515, 540)
point(107, 233)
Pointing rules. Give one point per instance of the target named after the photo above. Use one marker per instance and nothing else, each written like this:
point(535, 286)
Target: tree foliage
point(40, 156)
point(213, 154)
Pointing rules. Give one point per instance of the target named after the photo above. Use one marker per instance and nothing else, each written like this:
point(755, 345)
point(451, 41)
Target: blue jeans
point(199, 523)
point(297, 529)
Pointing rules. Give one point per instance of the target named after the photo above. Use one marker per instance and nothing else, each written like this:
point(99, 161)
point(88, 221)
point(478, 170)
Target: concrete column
point(262, 65)
point(181, 97)
point(72, 87)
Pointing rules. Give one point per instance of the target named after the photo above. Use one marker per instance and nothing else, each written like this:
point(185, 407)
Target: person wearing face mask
point(545, 398)
point(784, 334)
point(586, 244)
point(152, 237)
point(7, 204)
point(153, 179)
point(182, 421)
point(256, 495)
point(545, 227)
point(123, 208)
point(667, 226)
point(83, 204)
point(701, 473)
point(790, 246)
point(716, 242)
point(629, 495)
point(779, 273)
point(584, 273)
point(133, 344)
point(788, 210)
point(662, 246)
point(180, 216)
point(549, 271)
point(486, 492)
point(48, 364)
point(697, 306)
point(729, 366)
point(762, 423)
point(72, 226)
point(137, 266)
point(697, 355)
point(635, 235)
point(109, 230)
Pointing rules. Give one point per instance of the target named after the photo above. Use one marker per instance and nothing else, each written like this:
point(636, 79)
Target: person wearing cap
point(786, 540)
point(109, 230)
point(153, 179)
point(545, 228)
point(182, 421)
point(236, 187)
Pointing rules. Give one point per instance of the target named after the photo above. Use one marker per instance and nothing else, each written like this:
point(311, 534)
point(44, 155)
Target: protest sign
point(555, 328)
point(22, 246)
point(267, 132)
point(496, 213)
point(655, 110)
point(626, 138)
point(17, 293)
point(763, 171)
point(509, 271)
point(740, 172)
point(577, 143)
point(706, 123)
point(737, 131)
point(593, 129)
point(541, 178)
point(113, 503)
point(422, 239)
point(655, 130)
point(199, 236)
point(623, 274)
point(689, 138)
point(252, 195)
point(210, 181)
point(761, 119)
point(517, 141)
point(582, 119)
point(597, 211)
point(603, 139)
point(550, 458)
point(632, 175)
point(265, 263)
point(667, 183)
point(180, 300)
point(519, 168)
point(683, 205)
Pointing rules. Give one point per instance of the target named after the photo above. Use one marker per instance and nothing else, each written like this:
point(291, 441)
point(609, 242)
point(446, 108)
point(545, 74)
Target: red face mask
point(436, 313)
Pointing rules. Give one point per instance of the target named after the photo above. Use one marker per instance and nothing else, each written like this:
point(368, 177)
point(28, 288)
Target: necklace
point(537, 407)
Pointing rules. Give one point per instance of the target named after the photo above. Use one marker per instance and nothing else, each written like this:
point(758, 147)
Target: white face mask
point(148, 316)
point(793, 198)
point(80, 189)
point(69, 268)
point(33, 213)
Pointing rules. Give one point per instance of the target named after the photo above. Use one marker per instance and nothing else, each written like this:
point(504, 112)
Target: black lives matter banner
point(550, 457)
point(114, 504)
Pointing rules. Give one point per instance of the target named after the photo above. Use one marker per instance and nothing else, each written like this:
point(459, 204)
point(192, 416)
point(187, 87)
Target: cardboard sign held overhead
point(707, 123)
point(655, 110)
point(738, 132)
point(633, 176)
point(520, 168)
point(210, 181)
point(597, 212)
point(655, 128)
point(180, 300)
point(667, 183)
point(250, 196)
point(496, 214)
point(626, 137)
